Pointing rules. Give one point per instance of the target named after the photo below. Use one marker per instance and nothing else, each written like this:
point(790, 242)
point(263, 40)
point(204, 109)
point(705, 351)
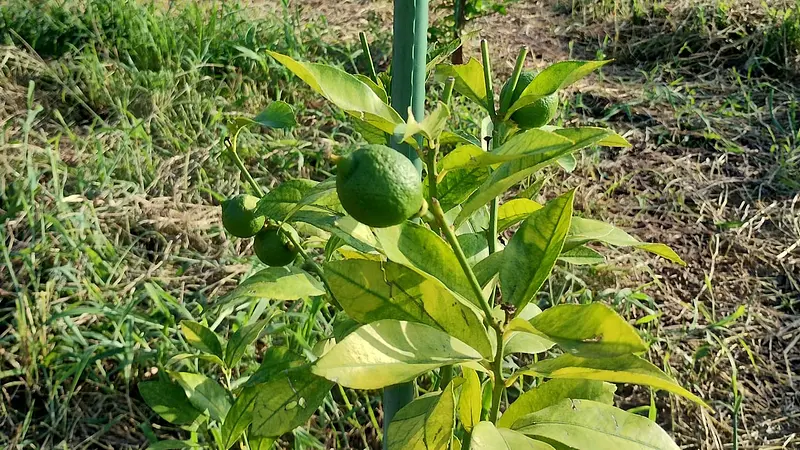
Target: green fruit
point(378, 186)
point(239, 216)
point(273, 248)
point(539, 113)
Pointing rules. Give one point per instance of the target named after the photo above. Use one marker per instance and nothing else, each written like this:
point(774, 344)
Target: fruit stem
point(487, 78)
point(436, 209)
point(232, 148)
point(367, 54)
point(505, 101)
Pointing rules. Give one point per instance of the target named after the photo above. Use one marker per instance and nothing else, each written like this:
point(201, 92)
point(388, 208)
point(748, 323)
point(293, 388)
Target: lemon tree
point(419, 283)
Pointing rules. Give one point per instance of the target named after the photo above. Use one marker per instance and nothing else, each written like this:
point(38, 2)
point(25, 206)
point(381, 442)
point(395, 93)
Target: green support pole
point(409, 56)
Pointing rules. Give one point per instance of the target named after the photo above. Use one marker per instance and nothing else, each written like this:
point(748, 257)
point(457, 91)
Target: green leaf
point(610, 137)
point(276, 283)
point(287, 401)
point(201, 337)
point(374, 290)
point(204, 393)
point(456, 186)
point(555, 77)
point(592, 330)
point(488, 268)
point(370, 133)
point(172, 444)
point(522, 145)
point(279, 202)
point(345, 91)
point(475, 246)
point(486, 436)
point(275, 361)
point(589, 230)
point(532, 252)
point(418, 247)
point(277, 115)
point(389, 352)
point(619, 369)
point(469, 403)
point(514, 211)
point(582, 256)
point(588, 424)
point(431, 126)
point(261, 442)
point(458, 138)
point(553, 391)
point(425, 423)
point(243, 337)
point(512, 172)
point(469, 79)
point(568, 163)
point(525, 342)
point(213, 359)
point(169, 401)
point(353, 233)
point(376, 88)
point(239, 417)
point(323, 194)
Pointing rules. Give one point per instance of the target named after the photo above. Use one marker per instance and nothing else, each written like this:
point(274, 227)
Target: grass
point(112, 116)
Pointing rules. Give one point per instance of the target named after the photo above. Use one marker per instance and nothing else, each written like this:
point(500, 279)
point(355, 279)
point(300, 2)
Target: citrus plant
point(419, 284)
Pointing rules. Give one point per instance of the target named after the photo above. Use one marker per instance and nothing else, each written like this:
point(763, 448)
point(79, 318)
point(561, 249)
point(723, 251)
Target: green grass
point(112, 168)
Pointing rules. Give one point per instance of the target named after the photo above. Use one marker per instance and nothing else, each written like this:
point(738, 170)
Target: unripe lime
point(537, 114)
point(273, 248)
point(378, 186)
point(240, 218)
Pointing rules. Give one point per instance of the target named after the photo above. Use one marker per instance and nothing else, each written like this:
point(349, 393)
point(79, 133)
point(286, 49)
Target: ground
point(112, 174)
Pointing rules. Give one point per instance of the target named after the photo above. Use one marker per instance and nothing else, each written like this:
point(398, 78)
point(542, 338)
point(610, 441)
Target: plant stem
point(487, 78)
point(436, 209)
point(499, 381)
point(232, 148)
point(367, 54)
point(505, 100)
point(491, 235)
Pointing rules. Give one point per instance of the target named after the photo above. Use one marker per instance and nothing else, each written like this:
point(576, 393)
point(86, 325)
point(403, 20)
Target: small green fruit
point(273, 248)
point(240, 218)
point(378, 186)
point(537, 114)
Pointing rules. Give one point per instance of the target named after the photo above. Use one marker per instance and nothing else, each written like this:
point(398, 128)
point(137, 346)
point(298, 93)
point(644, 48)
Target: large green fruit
point(378, 186)
point(273, 248)
point(240, 218)
point(539, 113)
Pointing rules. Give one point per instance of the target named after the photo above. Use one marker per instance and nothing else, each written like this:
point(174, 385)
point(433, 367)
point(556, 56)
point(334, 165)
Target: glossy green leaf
point(619, 369)
point(276, 283)
point(514, 211)
point(277, 115)
point(239, 417)
point(557, 76)
point(610, 137)
point(568, 163)
point(418, 247)
point(345, 91)
point(389, 352)
point(277, 203)
point(169, 401)
point(204, 394)
point(378, 89)
point(241, 339)
point(261, 442)
point(553, 391)
point(489, 267)
point(287, 401)
point(370, 133)
point(458, 138)
point(525, 342)
point(468, 77)
point(469, 402)
point(353, 233)
point(425, 423)
point(589, 230)
point(374, 290)
point(201, 337)
point(475, 246)
point(532, 252)
point(592, 330)
point(431, 126)
point(587, 424)
point(486, 436)
point(456, 186)
point(582, 256)
point(512, 172)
